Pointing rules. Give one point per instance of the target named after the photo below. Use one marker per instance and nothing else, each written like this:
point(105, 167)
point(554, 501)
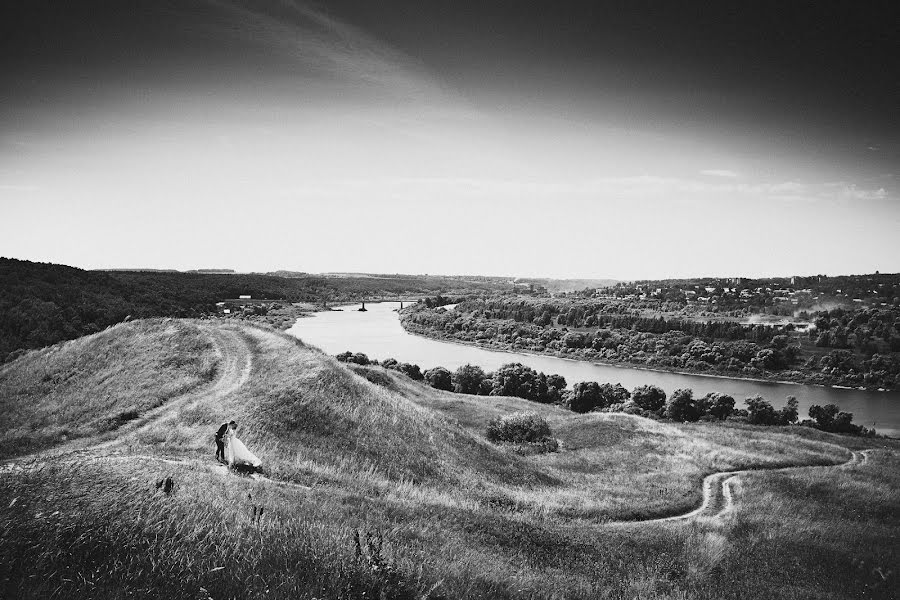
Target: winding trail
point(234, 371)
point(718, 495)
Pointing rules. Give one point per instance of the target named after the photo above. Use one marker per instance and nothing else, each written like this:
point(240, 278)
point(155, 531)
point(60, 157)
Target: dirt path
point(236, 364)
point(718, 496)
point(234, 371)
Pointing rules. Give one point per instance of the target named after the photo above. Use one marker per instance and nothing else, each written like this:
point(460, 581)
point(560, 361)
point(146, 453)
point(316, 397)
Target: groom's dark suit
point(220, 441)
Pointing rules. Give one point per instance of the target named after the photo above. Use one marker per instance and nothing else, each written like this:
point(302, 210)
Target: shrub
point(522, 428)
point(682, 406)
point(649, 397)
point(439, 378)
point(411, 371)
point(358, 358)
point(760, 412)
point(831, 418)
point(375, 376)
point(468, 379)
point(718, 406)
point(585, 397)
point(629, 407)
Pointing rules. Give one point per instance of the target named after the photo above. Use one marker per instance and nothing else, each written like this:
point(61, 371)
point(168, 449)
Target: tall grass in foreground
point(104, 530)
point(83, 532)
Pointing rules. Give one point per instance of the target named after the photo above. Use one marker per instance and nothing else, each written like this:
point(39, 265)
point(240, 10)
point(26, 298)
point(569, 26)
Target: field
point(375, 486)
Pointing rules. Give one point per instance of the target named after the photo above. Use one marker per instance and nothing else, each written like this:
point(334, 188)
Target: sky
point(560, 139)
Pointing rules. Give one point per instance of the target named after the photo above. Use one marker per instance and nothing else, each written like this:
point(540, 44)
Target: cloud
point(719, 173)
point(634, 188)
point(322, 46)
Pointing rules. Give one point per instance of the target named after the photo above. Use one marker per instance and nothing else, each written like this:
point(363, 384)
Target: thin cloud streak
point(328, 47)
point(636, 187)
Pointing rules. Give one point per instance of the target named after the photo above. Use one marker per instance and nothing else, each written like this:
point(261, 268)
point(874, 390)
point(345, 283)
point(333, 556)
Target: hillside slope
point(100, 382)
point(439, 511)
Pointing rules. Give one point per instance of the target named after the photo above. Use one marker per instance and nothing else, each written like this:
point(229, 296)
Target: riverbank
point(507, 348)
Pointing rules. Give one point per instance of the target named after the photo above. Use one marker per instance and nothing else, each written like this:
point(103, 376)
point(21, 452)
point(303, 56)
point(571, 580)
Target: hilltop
point(44, 303)
point(442, 512)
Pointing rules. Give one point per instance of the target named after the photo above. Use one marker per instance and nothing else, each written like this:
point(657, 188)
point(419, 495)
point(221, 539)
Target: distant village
point(796, 292)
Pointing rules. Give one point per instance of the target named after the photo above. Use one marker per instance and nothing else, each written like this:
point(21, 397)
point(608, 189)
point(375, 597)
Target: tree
point(439, 378)
point(515, 379)
point(411, 371)
point(824, 415)
point(649, 397)
point(718, 405)
point(585, 396)
point(760, 412)
point(843, 423)
point(682, 406)
point(831, 418)
point(613, 394)
point(467, 379)
point(788, 414)
point(556, 384)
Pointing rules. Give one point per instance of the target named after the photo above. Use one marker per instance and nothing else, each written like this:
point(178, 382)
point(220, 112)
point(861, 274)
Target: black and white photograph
point(449, 300)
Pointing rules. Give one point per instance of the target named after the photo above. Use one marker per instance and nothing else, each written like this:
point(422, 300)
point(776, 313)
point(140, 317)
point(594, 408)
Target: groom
point(220, 440)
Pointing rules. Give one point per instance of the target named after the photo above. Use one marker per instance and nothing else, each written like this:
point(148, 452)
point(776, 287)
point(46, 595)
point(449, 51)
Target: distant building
point(243, 297)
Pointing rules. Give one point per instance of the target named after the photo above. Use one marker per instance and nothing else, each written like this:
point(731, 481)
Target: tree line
point(43, 303)
point(504, 323)
point(651, 401)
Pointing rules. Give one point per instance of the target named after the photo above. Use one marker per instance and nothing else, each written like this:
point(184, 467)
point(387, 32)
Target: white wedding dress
point(236, 452)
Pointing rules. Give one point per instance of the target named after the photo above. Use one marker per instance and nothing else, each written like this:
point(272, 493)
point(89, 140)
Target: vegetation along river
point(378, 333)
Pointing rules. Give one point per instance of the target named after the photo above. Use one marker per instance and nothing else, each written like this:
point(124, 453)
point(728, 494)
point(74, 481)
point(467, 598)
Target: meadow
point(390, 489)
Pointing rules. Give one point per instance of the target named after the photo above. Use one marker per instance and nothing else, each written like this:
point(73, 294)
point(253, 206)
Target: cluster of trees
point(358, 358)
point(673, 348)
point(513, 379)
point(843, 367)
point(604, 315)
point(869, 331)
point(43, 303)
point(518, 380)
point(436, 301)
point(831, 418)
point(611, 335)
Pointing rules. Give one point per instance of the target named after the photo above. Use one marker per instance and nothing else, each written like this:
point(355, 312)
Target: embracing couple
point(231, 450)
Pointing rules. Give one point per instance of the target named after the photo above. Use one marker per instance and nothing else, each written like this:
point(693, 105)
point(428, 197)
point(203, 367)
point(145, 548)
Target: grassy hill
point(97, 383)
point(439, 511)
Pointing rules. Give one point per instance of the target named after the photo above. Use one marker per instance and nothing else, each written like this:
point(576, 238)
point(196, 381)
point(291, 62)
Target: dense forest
point(42, 303)
point(852, 347)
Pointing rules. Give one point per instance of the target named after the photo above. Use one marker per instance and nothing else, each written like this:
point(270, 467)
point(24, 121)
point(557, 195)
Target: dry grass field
point(375, 486)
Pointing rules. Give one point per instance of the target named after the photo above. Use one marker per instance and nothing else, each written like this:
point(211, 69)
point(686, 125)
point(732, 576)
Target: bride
point(236, 452)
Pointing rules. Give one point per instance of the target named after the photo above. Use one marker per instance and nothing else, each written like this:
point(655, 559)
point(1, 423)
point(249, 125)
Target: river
point(378, 334)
